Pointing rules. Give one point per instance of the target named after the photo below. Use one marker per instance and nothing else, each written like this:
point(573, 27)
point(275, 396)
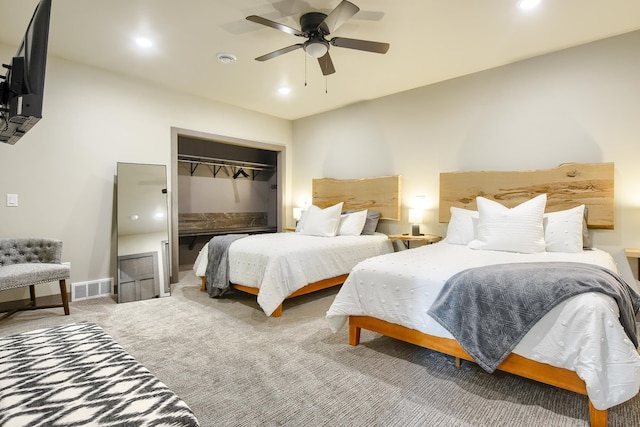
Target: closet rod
point(222, 162)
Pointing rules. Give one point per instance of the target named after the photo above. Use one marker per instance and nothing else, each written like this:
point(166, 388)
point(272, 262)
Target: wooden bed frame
point(312, 287)
point(513, 364)
point(380, 194)
point(567, 186)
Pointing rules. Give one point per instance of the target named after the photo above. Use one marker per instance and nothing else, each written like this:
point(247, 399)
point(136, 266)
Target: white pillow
point(322, 222)
point(461, 228)
point(519, 229)
point(351, 224)
point(563, 230)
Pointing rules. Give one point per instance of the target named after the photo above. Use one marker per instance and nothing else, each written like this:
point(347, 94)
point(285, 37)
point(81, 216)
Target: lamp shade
point(297, 213)
point(416, 216)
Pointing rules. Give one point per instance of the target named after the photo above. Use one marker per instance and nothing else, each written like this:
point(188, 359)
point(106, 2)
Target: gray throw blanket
point(217, 274)
point(489, 309)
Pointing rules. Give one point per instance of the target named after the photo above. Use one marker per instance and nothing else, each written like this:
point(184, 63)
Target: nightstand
point(424, 238)
point(633, 253)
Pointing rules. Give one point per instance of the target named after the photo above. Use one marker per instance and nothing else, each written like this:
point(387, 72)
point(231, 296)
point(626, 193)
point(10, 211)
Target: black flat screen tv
point(22, 87)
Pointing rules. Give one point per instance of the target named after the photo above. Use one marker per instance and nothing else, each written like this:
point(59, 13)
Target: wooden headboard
point(380, 194)
point(567, 186)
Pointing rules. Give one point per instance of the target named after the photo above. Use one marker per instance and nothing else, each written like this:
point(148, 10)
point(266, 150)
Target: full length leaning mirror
point(143, 232)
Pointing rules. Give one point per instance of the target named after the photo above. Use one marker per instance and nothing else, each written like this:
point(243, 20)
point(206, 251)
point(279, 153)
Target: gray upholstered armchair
point(29, 262)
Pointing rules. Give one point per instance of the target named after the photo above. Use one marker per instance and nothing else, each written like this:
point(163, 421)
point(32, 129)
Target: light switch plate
point(12, 200)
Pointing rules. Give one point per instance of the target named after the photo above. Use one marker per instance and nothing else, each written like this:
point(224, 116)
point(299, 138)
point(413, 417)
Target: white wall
point(577, 105)
point(63, 169)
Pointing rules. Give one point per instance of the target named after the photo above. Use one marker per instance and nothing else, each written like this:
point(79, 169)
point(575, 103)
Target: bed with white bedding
point(579, 345)
point(280, 265)
point(334, 234)
point(400, 288)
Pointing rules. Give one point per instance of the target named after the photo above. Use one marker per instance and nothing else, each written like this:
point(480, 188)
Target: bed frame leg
point(597, 418)
point(354, 335)
point(277, 312)
point(203, 284)
point(458, 362)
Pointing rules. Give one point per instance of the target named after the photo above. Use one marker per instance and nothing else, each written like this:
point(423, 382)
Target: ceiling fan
point(314, 27)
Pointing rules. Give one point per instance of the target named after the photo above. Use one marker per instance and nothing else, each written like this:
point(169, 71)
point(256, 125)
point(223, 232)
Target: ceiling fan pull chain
point(326, 84)
point(305, 70)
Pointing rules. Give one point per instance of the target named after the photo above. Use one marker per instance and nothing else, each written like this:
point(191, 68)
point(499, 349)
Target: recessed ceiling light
point(144, 42)
point(284, 90)
point(133, 217)
point(528, 4)
point(226, 58)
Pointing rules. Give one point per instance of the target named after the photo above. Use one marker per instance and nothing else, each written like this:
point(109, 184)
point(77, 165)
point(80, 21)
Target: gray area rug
point(236, 367)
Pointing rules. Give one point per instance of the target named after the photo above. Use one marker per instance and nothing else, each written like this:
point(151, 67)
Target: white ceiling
point(431, 41)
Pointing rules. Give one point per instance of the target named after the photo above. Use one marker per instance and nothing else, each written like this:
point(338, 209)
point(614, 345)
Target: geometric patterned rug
point(75, 375)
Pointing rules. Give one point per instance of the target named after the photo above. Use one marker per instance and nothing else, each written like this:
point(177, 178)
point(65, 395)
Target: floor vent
point(91, 289)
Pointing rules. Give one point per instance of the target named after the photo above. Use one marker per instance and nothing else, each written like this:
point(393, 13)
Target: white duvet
point(582, 334)
point(281, 263)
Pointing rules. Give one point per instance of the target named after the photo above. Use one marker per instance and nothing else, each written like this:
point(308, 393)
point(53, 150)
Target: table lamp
point(415, 219)
point(297, 214)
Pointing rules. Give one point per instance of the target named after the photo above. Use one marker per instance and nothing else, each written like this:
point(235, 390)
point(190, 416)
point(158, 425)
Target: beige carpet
point(236, 367)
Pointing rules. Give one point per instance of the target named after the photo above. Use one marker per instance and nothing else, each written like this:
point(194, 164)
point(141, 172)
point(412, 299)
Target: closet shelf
point(232, 168)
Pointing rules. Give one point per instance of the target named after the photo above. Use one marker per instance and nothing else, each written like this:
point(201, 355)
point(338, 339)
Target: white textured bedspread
point(281, 263)
point(582, 334)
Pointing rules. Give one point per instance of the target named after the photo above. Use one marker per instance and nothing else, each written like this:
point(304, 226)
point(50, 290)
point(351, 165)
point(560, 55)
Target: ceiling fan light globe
point(316, 48)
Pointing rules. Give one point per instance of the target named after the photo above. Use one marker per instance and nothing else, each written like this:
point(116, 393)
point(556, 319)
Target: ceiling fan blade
point(366, 45)
point(326, 64)
point(338, 16)
point(279, 52)
point(274, 24)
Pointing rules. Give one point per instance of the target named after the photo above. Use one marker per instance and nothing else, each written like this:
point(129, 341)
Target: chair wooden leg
point(65, 297)
point(32, 301)
point(32, 294)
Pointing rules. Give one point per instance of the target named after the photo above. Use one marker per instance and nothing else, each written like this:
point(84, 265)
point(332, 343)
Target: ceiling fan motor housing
point(313, 22)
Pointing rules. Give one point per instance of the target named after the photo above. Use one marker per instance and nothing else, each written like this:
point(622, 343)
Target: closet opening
point(221, 185)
